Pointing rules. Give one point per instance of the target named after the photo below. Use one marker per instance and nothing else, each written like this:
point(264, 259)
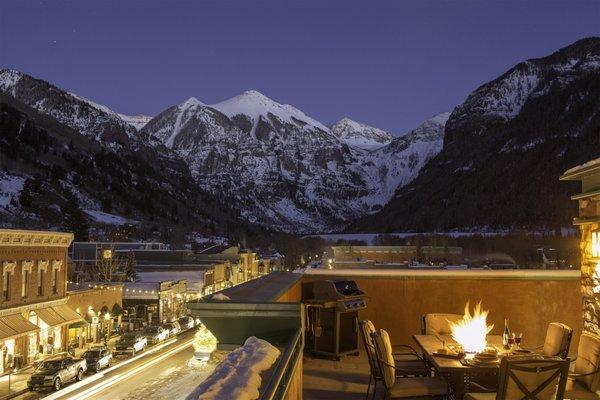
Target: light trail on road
point(120, 377)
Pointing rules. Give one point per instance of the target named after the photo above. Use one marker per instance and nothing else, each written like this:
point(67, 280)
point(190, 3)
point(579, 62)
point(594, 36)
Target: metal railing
point(279, 383)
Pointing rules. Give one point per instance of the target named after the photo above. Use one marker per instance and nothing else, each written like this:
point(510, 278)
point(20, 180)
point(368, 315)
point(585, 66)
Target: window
point(41, 282)
point(25, 283)
point(6, 285)
point(55, 281)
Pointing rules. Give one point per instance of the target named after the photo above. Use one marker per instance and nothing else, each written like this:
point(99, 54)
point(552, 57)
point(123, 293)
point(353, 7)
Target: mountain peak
point(254, 104)
point(358, 134)
point(192, 102)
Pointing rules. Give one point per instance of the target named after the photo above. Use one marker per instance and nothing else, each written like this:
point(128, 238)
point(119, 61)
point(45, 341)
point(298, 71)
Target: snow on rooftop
point(238, 376)
point(195, 279)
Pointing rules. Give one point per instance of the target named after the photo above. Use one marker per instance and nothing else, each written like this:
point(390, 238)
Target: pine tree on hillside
point(75, 219)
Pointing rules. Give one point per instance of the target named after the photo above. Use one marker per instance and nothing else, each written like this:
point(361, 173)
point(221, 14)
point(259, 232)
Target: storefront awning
point(15, 325)
point(58, 315)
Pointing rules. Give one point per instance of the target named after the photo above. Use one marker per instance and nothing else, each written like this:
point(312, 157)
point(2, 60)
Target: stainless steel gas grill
point(332, 313)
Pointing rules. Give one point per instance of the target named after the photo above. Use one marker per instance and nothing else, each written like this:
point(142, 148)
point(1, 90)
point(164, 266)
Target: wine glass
point(518, 340)
point(511, 341)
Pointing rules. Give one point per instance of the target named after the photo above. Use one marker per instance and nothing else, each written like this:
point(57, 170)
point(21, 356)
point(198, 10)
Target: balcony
point(397, 299)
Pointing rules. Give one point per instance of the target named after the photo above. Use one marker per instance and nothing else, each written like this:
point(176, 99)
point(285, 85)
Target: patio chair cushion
point(531, 379)
point(409, 388)
point(384, 352)
point(575, 390)
point(480, 396)
point(439, 324)
point(558, 340)
point(588, 360)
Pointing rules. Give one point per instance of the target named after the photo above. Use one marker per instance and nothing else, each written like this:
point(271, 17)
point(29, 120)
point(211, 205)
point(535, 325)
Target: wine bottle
point(505, 334)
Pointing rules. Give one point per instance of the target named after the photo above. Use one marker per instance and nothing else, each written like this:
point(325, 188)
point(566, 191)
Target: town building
point(206, 272)
point(154, 302)
point(84, 256)
point(34, 314)
point(101, 307)
point(394, 256)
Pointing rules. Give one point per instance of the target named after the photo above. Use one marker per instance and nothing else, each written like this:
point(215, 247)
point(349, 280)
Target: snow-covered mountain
point(76, 112)
point(279, 167)
point(363, 136)
point(400, 162)
point(137, 121)
point(504, 149)
point(285, 169)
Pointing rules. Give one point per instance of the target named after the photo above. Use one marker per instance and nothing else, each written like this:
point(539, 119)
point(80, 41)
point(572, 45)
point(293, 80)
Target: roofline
point(575, 174)
point(22, 237)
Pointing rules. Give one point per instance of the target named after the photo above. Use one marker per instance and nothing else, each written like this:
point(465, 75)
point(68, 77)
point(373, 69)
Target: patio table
point(457, 374)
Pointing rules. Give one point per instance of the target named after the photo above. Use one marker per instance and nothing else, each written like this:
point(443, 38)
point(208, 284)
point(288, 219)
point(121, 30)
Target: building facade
point(34, 314)
point(101, 307)
point(154, 302)
point(399, 255)
point(588, 221)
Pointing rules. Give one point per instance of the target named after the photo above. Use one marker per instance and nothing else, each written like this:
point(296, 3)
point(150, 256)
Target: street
point(167, 371)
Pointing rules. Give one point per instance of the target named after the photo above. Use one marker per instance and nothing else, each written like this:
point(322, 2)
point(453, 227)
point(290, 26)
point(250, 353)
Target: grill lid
point(347, 288)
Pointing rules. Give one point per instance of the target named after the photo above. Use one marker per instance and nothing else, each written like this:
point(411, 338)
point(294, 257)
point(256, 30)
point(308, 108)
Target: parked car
point(186, 322)
point(155, 334)
point(130, 343)
point(97, 358)
point(172, 327)
point(55, 372)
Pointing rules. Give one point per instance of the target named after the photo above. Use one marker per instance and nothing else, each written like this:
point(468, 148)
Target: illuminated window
point(55, 281)
point(41, 279)
point(6, 285)
point(24, 283)
point(595, 244)
point(106, 254)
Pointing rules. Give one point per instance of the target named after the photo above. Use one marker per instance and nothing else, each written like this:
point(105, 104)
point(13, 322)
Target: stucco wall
point(293, 294)
point(530, 300)
point(97, 298)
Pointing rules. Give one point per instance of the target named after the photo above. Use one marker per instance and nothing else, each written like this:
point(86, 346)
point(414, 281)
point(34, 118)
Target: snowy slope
point(357, 134)
point(398, 163)
point(137, 121)
point(254, 104)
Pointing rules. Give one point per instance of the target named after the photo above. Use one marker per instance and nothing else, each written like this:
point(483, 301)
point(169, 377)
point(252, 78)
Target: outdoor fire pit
point(470, 333)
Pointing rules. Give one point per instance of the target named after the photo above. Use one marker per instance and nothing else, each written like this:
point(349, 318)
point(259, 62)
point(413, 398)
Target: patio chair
point(558, 340)
point(408, 362)
point(404, 388)
point(584, 383)
point(438, 323)
point(528, 378)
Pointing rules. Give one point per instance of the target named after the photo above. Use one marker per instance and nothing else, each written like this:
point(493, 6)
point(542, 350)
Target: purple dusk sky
point(391, 64)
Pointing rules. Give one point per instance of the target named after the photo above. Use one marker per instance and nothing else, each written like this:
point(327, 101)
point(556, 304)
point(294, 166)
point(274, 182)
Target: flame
point(470, 332)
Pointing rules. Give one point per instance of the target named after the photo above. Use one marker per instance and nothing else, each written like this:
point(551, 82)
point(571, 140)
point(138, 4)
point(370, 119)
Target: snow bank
point(238, 375)
point(220, 297)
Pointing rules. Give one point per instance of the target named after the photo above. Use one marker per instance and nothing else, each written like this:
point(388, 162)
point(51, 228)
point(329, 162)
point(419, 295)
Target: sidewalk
point(18, 383)
point(18, 380)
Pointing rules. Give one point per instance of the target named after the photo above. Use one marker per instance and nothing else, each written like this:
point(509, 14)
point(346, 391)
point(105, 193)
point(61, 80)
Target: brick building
point(34, 314)
point(101, 307)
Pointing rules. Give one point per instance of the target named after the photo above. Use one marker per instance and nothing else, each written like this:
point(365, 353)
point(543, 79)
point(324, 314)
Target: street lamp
point(107, 319)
